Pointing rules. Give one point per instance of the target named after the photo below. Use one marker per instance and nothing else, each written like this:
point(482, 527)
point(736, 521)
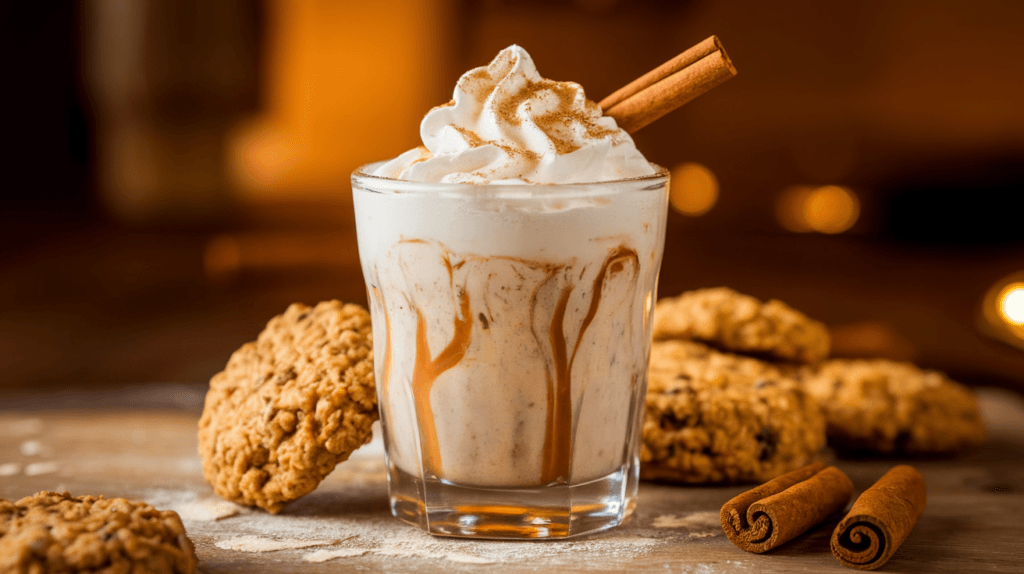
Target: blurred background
point(177, 170)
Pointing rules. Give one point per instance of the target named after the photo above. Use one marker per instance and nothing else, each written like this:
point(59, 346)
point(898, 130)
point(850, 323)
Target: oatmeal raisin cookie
point(51, 533)
point(740, 323)
point(712, 417)
point(888, 407)
point(290, 406)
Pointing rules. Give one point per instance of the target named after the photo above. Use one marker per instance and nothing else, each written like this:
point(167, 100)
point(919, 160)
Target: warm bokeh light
point(789, 209)
point(229, 255)
point(694, 189)
point(222, 258)
point(827, 209)
point(1011, 303)
point(831, 209)
point(1002, 310)
point(345, 83)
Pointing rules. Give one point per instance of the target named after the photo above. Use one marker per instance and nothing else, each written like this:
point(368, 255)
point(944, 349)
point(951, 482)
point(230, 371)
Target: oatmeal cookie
point(889, 407)
point(740, 323)
point(50, 533)
point(290, 406)
point(713, 417)
point(675, 354)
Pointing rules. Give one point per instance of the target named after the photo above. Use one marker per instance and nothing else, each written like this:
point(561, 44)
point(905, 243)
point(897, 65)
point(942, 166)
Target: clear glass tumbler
point(512, 334)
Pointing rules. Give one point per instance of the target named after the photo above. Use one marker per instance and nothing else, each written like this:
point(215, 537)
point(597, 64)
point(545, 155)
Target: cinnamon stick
point(670, 85)
point(881, 519)
point(781, 509)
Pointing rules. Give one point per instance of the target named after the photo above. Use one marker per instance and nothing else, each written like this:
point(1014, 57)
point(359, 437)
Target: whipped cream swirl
point(507, 124)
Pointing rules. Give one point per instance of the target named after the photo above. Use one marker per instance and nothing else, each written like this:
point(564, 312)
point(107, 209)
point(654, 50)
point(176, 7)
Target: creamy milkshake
point(511, 265)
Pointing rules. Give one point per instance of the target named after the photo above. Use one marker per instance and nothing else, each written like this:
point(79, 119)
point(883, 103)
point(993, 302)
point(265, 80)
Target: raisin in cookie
point(290, 406)
point(50, 533)
point(888, 407)
point(740, 323)
point(712, 417)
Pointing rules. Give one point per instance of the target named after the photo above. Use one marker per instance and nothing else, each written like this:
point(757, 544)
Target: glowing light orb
point(1011, 304)
point(827, 209)
point(694, 189)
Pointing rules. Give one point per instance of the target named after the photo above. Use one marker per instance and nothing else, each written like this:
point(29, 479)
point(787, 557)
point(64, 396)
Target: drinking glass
point(512, 332)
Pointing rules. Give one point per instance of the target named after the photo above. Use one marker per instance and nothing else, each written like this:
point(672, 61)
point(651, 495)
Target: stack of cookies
point(741, 391)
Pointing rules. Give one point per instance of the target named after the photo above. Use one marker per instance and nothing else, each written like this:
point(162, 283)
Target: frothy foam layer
point(507, 124)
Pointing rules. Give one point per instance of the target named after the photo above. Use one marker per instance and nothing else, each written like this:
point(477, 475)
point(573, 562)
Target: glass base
point(447, 509)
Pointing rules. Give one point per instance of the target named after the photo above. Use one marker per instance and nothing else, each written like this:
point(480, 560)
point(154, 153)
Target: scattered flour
point(700, 524)
point(460, 557)
point(467, 558)
point(258, 544)
point(360, 508)
point(325, 555)
point(10, 469)
point(408, 553)
point(382, 535)
point(208, 509)
point(37, 468)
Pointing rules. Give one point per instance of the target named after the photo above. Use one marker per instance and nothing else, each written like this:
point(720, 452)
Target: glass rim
point(380, 183)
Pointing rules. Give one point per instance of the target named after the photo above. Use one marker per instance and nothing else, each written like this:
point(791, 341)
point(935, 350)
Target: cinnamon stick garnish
point(670, 85)
point(881, 519)
point(779, 510)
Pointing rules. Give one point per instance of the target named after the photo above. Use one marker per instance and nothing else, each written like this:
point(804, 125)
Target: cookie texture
point(290, 406)
point(740, 323)
point(889, 407)
point(718, 418)
point(56, 533)
point(698, 357)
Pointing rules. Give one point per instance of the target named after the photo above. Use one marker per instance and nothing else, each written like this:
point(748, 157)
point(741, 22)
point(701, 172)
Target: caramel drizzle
point(385, 378)
point(427, 370)
point(557, 455)
point(558, 428)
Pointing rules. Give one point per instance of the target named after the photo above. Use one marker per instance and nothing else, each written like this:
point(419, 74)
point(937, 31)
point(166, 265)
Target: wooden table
point(133, 444)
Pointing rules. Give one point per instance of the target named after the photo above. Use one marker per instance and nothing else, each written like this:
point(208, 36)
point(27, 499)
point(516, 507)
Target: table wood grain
point(975, 502)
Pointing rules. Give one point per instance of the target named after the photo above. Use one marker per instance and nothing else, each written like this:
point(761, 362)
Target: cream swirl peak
point(507, 124)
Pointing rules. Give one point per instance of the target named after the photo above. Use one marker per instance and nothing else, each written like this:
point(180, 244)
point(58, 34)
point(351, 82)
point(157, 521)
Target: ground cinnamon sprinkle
point(446, 105)
point(471, 138)
point(557, 123)
point(554, 123)
point(565, 92)
point(424, 155)
point(475, 84)
point(511, 151)
point(476, 141)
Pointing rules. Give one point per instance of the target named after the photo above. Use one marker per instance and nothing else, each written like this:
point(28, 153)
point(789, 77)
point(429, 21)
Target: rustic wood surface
point(970, 524)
